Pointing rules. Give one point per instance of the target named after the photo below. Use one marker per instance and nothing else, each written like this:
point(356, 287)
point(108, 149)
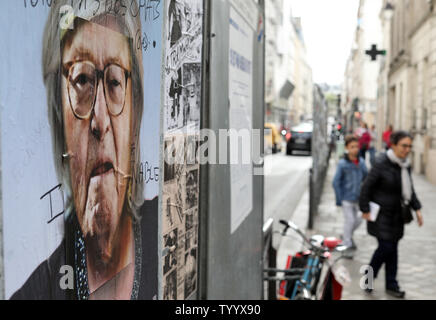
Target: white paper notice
point(249, 9)
point(240, 114)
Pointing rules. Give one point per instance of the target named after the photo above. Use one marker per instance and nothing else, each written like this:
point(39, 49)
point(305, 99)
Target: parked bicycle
point(312, 274)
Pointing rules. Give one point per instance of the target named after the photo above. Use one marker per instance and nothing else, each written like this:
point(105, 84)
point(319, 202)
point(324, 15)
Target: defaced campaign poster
point(80, 98)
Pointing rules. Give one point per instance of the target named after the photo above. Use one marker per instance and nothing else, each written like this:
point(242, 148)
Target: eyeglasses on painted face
point(82, 83)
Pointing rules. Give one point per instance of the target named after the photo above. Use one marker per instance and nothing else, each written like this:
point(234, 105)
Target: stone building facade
point(359, 98)
point(411, 92)
point(288, 76)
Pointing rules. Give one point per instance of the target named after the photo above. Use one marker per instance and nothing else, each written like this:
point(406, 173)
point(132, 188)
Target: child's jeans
point(352, 221)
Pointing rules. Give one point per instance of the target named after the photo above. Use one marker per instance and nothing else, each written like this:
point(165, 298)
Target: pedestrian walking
point(350, 173)
point(372, 150)
point(389, 185)
point(387, 137)
point(364, 140)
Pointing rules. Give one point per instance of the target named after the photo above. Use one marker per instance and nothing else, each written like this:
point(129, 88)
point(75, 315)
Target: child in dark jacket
point(350, 173)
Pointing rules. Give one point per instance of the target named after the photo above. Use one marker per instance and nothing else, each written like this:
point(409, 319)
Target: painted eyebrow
point(82, 54)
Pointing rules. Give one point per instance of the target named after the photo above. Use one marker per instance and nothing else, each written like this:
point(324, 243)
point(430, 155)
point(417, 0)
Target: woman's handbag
point(406, 212)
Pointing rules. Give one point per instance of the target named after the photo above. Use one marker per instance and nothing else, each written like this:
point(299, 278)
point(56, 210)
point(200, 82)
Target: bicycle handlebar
point(294, 227)
point(297, 230)
point(286, 224)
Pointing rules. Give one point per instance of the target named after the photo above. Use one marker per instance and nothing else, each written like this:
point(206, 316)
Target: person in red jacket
point(364, 140)
point(387, 137)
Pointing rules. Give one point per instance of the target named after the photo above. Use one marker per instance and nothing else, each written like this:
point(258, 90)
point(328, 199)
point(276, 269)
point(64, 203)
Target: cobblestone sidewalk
point(417, 250)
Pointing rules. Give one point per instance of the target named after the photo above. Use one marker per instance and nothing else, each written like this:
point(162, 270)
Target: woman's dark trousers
point(387, 253)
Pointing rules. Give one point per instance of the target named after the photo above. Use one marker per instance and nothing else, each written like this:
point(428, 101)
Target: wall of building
point(420, 91)
point(362, 73)
point(286, 63)
point(399, 99)
point(412, 69)
point(383, 81)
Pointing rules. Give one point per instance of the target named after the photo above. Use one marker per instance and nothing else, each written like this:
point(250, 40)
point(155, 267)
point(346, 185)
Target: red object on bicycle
point(332, 288)
point(337, 289)
point(332, 243)
point(282, 289)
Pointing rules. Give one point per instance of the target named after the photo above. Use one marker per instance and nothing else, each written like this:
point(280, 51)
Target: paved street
point(417, 251)
point(286, 179)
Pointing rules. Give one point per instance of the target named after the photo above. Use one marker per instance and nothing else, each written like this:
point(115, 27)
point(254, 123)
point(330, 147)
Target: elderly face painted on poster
point(93, 74)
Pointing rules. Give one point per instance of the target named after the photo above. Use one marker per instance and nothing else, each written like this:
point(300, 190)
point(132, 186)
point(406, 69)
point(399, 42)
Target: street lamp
point(389, 11)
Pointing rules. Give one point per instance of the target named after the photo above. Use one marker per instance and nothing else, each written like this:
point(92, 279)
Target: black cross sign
point(373, 53)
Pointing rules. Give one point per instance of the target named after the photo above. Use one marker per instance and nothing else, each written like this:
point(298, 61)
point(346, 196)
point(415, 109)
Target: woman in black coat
point(389, 184)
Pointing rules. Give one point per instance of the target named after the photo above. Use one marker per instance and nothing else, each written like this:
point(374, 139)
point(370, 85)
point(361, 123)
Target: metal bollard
point(311, 200)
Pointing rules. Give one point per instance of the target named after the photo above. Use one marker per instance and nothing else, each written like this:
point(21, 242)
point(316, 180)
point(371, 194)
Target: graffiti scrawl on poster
point(182, 114)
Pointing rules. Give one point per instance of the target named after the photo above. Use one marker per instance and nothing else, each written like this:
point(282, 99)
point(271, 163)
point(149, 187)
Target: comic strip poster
point(183, 64)
point(80, 97)
point(182, 116)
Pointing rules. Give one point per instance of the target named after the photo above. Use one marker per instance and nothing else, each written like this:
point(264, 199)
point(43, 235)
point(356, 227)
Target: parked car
point(300, 138)
point(273, 138)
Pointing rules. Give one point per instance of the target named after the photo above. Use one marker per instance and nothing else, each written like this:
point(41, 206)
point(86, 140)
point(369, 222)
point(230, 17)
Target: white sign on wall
point(241, 110)
point(249, 10)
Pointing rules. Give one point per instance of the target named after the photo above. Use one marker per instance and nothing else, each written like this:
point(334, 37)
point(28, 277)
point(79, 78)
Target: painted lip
point(102, 168)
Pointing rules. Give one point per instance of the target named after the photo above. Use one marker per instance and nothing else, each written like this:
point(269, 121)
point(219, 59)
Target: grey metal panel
point(234, 261)
point(204, 169)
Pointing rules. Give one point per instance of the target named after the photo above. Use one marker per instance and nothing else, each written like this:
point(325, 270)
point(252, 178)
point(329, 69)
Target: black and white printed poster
point(182, 116)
